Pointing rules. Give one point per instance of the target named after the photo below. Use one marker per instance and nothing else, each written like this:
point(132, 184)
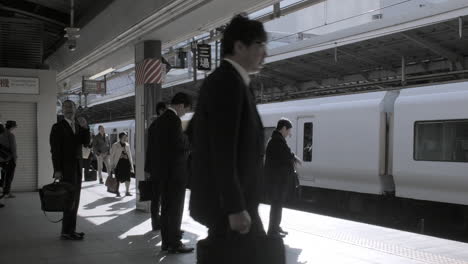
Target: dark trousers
point(9, 175)
point(221, 228)
point(155, 204)
point(69, 217)
point(276, 212)
point(172, 207)
point(86, 164)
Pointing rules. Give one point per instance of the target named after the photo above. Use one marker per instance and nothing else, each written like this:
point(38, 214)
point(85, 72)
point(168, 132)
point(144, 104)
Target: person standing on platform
point(156, 193)
point(227, 138)
point(8, 140)
point(66, 140)
point(279, 173)
point(168, 166)
point(87, 156)
point(101, 148)
point(122, 162)
point(5, 156)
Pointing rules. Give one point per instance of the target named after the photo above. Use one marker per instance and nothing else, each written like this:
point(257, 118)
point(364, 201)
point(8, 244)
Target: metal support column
point(146, 98)
point(403, 71)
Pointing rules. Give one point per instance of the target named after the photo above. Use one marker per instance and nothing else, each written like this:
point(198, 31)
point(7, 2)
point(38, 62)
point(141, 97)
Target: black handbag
point(146, 190)
point(57, 197)
point(91, 175)
point(246, 249)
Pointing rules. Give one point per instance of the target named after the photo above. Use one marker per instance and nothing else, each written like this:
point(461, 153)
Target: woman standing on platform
point(122, 162)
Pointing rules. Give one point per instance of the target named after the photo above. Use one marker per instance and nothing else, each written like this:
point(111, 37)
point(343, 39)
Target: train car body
point(411, 143)
point(430, 158)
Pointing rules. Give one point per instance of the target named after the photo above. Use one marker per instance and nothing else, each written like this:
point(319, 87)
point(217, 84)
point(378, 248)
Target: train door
point(305, 133)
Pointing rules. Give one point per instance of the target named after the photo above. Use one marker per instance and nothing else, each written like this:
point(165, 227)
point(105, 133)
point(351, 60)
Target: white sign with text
point(19, 85)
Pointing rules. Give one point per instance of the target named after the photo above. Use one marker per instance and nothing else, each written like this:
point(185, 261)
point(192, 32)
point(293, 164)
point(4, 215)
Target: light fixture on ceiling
point(72, 33)
point(104, 72)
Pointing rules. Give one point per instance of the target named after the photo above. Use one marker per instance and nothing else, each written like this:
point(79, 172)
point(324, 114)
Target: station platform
point(117, 233)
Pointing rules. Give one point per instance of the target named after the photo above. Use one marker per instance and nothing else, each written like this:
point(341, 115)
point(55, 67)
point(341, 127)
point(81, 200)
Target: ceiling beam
point(33, 15)
point(277, 75)
point(361, 58)
point(455, 58)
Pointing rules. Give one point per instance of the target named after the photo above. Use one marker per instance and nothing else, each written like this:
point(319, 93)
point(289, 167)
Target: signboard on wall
point(19, 85)
point(93, 86)
point(204, 57)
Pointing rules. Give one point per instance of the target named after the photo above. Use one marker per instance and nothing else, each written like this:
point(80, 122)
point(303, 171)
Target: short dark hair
point(99, 127)
point(242, 29)
point(121, 134)
point(283, 122)
point(181, 98)
point(160, 106)
point(68, 101)
point(10, 124)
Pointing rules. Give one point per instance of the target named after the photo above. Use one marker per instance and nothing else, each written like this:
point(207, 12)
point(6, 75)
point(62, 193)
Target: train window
point(307, 144)
point(445, 140)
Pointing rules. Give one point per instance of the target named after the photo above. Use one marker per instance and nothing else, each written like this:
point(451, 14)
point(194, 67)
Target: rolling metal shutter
point(26, 140)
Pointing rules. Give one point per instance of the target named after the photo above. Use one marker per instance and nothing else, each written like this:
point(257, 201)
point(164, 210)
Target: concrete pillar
point(146, 98)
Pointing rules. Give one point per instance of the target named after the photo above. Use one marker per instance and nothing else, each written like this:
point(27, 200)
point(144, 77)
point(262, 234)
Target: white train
point(411, 143)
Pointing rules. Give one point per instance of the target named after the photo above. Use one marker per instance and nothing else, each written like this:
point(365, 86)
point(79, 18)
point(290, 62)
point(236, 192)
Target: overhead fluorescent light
point(104, 72)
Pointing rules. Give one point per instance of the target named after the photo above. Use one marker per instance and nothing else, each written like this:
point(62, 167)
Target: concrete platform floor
point(117, 233)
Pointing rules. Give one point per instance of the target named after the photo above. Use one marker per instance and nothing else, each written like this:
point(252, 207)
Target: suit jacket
point(166, 149)
point(227, 148)
point(66, 149)
point(279, 166)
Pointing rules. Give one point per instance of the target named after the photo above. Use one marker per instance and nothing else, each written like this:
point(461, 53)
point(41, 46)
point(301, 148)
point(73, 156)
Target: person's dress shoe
point(180, 249)
point(100, 181)
point(80, 234)
point(128, 194)
point(281, 231)
point(71, 237)
point(118, 195)
point(276, 234)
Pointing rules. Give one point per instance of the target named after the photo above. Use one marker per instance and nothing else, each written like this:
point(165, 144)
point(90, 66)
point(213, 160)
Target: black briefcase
point(237, 249)
point(146, 190)
point(57, 197)
point(91, 175)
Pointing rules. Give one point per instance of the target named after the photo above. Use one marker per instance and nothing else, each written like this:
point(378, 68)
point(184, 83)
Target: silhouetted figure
point(66, 140)
point(167, 163)
point(156, 193)
point(227, 138)
point(279, 173)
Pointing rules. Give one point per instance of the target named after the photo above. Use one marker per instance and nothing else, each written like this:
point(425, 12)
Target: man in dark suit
point(227, 137)
point(66, 140)
point(279, 173)
point(167, 164)
point(156, 194)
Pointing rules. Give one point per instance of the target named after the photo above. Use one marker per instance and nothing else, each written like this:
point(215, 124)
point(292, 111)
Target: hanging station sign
point(19, 85)
point(93, 86)
point(177, 61)
point(204, 57)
